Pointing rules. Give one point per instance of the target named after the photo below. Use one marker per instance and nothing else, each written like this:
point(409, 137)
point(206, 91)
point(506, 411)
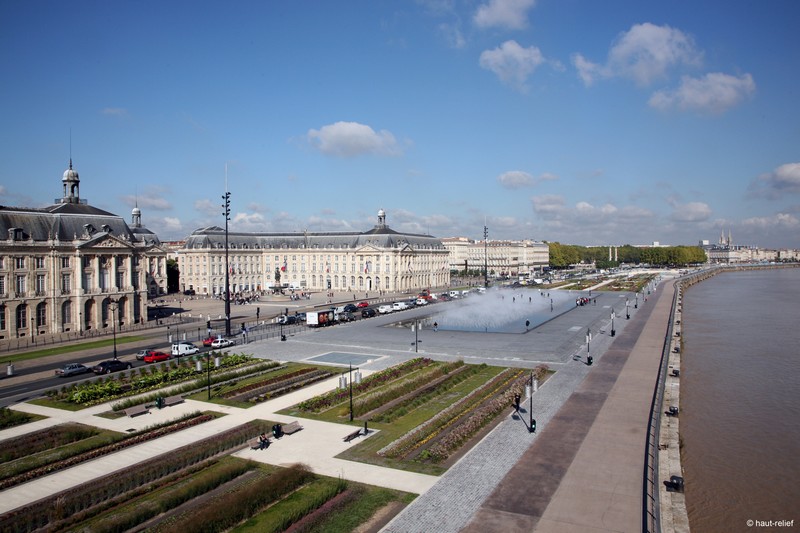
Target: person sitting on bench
point(263, 441)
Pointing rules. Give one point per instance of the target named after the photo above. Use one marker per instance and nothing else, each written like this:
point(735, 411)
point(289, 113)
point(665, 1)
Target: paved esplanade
point(582, 470)
point(376, 345)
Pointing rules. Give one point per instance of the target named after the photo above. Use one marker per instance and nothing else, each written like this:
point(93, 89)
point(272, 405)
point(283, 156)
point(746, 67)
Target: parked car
point(384, 309)
point(112, 365)
point(222, 343)
point(421, 301)
point(301, 317)
point(156, 357)
point(368, 312)
point(141, 353)
point(184, 348)
point(350, 308)
point(287, 319)
point(208, 340)
point(361, 305)
point(399, 306)
point(72, 369)
point(347, 316)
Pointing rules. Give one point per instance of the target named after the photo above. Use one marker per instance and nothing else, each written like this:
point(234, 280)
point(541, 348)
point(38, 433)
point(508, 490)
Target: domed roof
point(381, 213)
point(136, 211)
point(70, 174)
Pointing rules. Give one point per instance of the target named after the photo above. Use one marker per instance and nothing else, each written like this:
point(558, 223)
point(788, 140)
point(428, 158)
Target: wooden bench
point(137, 410)
point(173, 400)
point(353, 435)
point(292, 427)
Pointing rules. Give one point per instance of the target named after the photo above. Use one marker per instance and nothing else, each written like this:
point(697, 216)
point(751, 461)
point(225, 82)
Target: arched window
point(41, 315)
point(22, 316)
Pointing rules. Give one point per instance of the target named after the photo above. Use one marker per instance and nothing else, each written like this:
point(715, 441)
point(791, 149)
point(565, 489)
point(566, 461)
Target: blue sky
point(619, 122)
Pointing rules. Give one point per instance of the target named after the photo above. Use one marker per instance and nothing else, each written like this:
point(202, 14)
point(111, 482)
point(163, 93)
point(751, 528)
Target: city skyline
point(551, 121)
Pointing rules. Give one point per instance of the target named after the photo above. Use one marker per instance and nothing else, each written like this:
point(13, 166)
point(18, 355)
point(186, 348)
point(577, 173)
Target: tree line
point(564, 255)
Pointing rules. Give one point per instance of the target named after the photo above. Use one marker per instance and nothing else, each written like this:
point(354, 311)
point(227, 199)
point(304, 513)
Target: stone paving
point(450, 501)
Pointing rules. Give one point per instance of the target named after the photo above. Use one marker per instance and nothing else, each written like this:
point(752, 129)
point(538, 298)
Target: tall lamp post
point(350, 384)
point(627, 310)
point(613, 331)
point(532, 425)
point(113, 306)
point(226, 206)
point(485, 256)
point(208, 374)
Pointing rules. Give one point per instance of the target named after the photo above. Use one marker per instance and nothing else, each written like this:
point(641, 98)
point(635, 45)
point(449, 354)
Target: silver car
point(72, 369)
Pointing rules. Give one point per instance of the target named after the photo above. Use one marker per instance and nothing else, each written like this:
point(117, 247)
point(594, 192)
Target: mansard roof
point(378, 237)
point(64, 222)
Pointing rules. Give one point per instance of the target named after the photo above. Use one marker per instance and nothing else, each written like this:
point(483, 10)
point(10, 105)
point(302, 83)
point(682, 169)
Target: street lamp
point(33, 326)
point(227, 214)
point(532, 425)
point(113, 306)
point(485, 256)
point(358, 377)
point(208, 374)
point(627, 310)
point(636, 305)
point(613, 331)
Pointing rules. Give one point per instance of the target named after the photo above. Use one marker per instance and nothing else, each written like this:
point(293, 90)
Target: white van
point(184, 348)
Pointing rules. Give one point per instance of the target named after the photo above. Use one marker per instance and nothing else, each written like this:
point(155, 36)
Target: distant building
point(725, 251)
point(370, 261)
point(73, 267)
point(503, 258)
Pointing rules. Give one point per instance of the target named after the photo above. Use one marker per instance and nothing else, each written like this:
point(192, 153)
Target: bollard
point(10, 370)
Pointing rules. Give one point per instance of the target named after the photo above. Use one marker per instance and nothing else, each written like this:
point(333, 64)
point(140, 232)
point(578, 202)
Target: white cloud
point(149, 201)
point(643, 54)
point(509, 14)
point(208, 208)
point(548, 205)
point(713, 93)
point(512, 63)
point(115, 112)
point(783, 180)
point(690, 212)
point(351, 139)
point(785, 221)
point(3, 190)
point(452, 34)
point(515, 179)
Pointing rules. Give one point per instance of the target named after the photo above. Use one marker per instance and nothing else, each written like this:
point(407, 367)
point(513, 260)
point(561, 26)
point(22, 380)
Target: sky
point(576, 121)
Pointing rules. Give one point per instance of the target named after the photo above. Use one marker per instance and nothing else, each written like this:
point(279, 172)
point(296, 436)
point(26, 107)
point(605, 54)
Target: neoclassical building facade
point(380, 259)
point(73, 267)
point(506, 258)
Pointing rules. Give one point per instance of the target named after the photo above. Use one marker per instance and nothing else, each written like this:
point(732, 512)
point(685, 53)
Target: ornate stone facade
point(380, 259)
point(73, 267)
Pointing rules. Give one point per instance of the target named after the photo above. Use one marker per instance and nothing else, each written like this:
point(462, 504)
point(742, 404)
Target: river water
point(740, 400)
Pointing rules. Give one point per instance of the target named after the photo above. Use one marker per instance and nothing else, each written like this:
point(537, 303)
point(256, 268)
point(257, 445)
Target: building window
point(66, 313)
point(3, 286)
point(40, 285)
point(21, 282)
point(22, 317)
point(2, 317)
point(19, 262)
point(66, 283)
point(39, 262)
point(65, 262)
point(2, 262)
point(41, 315)
point(120, 280)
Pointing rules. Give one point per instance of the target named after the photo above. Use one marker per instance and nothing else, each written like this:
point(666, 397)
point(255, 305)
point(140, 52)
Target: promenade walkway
point(583, 469)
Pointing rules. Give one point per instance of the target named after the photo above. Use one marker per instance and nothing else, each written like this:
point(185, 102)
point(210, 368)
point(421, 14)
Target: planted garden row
point(44, 439)
point(324, 402)
point(32, 469)
point(277, 386)
point(79, 503)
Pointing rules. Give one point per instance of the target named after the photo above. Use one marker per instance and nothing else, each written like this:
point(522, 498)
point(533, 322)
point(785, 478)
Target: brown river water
point(740, 401)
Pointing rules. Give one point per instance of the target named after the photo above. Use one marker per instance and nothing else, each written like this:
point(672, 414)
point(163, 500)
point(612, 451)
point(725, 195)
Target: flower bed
point(72, 506)
point(423, 433)
point(402, 406)
point(273, 387)
point(393, 391)
point(378, 379)
point(127, 441)
point(151, 377)
point(44, 439)
point(10, 418)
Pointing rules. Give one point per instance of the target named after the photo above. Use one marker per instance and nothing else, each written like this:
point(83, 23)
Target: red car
point(207, 342)
point(156, 357)
point(361, 305)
